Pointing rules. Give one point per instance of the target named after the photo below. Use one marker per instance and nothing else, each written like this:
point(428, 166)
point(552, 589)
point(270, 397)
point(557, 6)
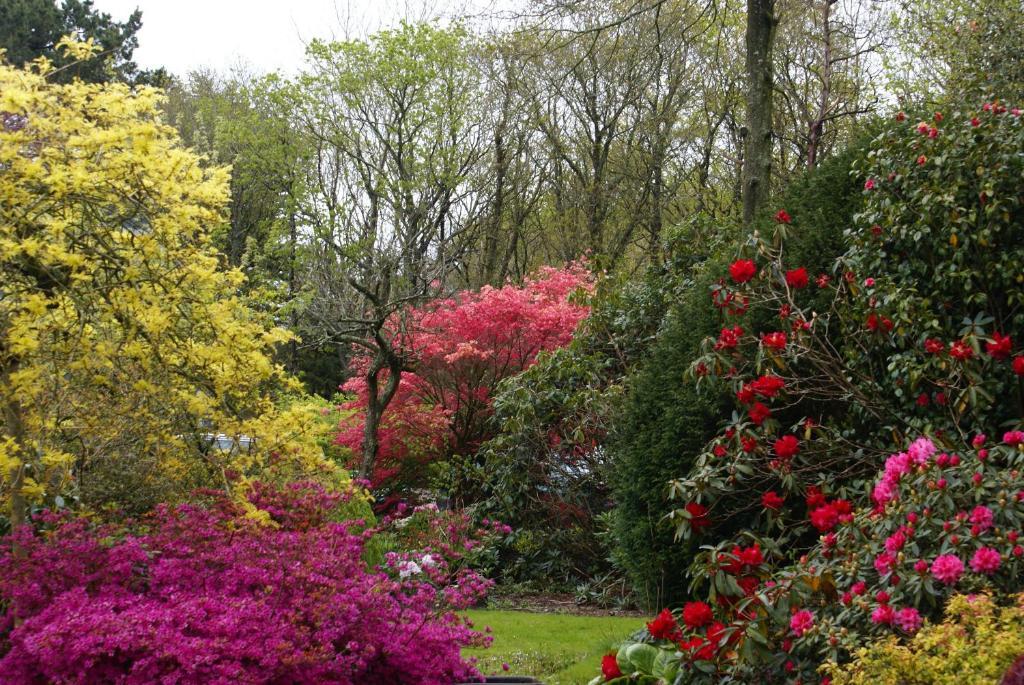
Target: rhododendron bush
point(853, 490)
point(460, 348)
point(200, 593)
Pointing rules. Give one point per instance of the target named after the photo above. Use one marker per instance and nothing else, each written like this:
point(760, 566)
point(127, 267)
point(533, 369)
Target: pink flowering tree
point(201, 593)
point(461, 348)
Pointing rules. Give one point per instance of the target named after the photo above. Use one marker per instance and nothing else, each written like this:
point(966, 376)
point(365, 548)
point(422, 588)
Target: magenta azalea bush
point(199, 593)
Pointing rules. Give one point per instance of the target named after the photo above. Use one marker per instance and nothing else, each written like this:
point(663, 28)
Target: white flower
point(408, 568)
point(428, 560)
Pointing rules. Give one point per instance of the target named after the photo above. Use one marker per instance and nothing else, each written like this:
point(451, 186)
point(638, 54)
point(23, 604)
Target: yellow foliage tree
point(121, 338)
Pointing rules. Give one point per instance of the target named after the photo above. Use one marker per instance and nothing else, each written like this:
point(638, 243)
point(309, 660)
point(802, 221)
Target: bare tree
point(389, 204)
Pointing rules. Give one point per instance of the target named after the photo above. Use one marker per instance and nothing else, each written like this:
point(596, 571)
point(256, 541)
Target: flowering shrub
point(463, 347)
point(936, 523)
point(975, 644)
point(914, 333)
point(203, 594)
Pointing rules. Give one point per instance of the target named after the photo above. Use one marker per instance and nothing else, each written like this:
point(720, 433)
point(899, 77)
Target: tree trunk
point(757, 160)
point(376, 402)
point(818, 125)
point(14, 427)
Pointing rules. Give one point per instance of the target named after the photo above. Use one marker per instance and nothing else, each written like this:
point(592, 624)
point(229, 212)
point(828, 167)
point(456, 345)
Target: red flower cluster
point(729, 338)
point(783, 217)
point(934, 346)
point(797, 278)
point(697, 615)
point(787, 447)
point(1018, 365)
point(771, 501)
point(875, 323)
point(742, 559)
point(699, 519)
point(742, 270)
point(826, 516)
point(610, 667)
point(1000, 347)
point(775, 341)
point(767, 386)
point(961, 350)
point(759, 413)
point(664, 626)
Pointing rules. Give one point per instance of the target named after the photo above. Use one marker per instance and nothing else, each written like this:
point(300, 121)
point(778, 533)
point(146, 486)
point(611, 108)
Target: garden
point(639, 343)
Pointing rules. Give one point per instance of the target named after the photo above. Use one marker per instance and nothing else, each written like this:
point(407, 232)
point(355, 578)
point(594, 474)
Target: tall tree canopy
point(32, 28)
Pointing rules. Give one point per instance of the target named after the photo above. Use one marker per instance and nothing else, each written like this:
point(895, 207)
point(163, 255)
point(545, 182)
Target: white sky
point(182, 35)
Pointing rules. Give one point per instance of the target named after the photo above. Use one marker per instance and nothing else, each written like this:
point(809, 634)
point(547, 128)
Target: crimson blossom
point(461, 348)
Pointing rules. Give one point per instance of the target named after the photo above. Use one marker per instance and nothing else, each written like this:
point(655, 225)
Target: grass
point(559, 649)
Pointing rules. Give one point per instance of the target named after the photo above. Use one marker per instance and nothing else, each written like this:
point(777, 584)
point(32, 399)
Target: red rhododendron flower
point(825, 518)
point(664, 626)
point(787, 447)
point(783, 217)
point(729, 338)
point(745, 395)
point(720, 451)
point(1018, 365)
point(759, 413)
point(934, 346)
point(697, 615)
point(749, 585)
point(751, 556)
point(869, 184)
point(961, 350)
point(797, 278)
point(610, 667)
point(749, 443)
point(767, 386)
point(1000, 347)
point(742, 270)
point(698, 516)
point(775, 341)
point(814, 498)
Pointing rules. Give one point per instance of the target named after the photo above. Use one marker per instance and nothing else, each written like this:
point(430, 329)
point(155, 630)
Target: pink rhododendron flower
point(884, 563)
point(894, 543)
point(1013, 438)
point(883, 615)
point(801, 622)
point(986, 561)
point(908, 620)
point(982, 517)
point(947, 568)
point(921, 450)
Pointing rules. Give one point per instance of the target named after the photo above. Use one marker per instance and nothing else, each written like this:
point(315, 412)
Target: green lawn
point(559, 649)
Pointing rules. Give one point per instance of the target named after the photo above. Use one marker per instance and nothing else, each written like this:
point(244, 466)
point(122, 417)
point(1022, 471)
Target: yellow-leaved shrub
point(974, 645)
point(125, 347)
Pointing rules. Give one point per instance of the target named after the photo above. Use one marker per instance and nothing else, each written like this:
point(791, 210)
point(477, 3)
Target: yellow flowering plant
point(122, 338)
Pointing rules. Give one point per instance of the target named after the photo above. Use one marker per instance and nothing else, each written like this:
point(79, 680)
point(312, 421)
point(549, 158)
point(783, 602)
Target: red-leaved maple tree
point(461, 348)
